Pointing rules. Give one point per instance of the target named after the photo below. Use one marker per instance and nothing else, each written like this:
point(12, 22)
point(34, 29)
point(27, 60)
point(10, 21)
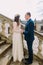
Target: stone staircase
point(6, 46)
point(6, 55)
point(5, 52)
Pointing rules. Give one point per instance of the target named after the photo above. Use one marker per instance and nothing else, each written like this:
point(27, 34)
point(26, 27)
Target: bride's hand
point(22, 31)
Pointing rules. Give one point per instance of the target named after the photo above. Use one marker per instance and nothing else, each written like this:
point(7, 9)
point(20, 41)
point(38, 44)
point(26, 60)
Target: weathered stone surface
point(5, 47)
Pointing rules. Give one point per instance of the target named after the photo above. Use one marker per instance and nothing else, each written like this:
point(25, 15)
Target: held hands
point(22, 30)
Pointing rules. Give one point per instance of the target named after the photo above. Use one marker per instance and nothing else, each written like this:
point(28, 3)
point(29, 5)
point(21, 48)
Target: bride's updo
point(16, 19)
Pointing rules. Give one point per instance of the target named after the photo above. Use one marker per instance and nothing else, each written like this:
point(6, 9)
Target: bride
point(17, 49)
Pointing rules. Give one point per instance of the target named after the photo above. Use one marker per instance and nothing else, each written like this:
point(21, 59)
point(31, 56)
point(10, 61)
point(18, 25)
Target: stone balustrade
point(6, 27)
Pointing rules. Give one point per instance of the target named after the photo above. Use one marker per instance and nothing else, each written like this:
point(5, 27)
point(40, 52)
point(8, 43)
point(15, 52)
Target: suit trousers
point(30, 50)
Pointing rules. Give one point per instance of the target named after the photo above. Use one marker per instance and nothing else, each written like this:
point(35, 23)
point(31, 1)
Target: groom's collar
point(29, 19)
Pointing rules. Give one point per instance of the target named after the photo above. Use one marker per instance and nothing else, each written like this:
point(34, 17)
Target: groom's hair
point(28, 13)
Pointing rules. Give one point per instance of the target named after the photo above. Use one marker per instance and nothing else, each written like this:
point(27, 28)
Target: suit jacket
point(29, 30)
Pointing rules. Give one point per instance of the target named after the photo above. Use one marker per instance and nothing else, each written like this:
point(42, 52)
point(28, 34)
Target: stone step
point(38, 60)
point(6, 58)
point(2, 42)
point(40, 56)
point(35, 62)
point(4, 47)
point(16, 63)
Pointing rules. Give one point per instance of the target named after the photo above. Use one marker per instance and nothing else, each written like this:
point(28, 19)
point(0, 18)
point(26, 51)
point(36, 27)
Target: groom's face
point(27, 17)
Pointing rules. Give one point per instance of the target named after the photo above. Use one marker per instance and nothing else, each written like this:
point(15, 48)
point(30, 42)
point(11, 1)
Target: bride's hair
point(16, 19)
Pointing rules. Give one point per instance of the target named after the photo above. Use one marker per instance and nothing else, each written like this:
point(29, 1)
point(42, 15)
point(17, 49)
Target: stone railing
point(3, 37)
point(37, 44)
point(6, 27)
point(40, 45)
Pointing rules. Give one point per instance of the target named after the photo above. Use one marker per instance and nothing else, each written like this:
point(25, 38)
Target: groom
point(29, 37)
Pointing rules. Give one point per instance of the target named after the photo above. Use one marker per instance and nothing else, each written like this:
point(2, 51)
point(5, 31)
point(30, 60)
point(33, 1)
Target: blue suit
point(29, 37)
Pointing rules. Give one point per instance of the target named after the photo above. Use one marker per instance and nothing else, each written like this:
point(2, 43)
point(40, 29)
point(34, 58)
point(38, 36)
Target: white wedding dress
point(17, 49)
